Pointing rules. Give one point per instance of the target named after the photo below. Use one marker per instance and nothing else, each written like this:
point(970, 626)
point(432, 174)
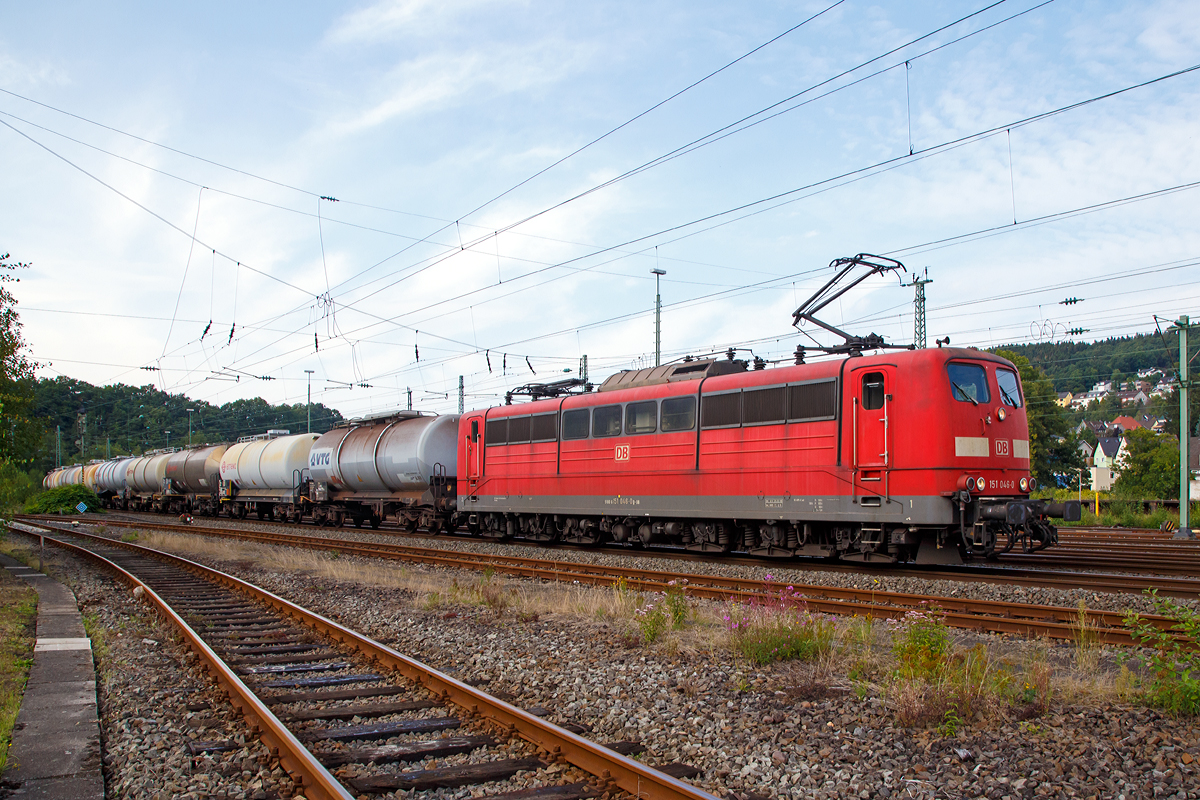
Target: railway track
point(318, 693)
point(1011, 570)
point(991, 616)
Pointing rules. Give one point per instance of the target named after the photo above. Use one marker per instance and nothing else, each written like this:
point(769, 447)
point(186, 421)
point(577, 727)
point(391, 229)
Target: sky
point(218, 198)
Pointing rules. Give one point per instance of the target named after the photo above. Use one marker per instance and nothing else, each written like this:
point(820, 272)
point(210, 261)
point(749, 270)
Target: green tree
point(19, 430)
point(1053, 446)
point(1150, 468)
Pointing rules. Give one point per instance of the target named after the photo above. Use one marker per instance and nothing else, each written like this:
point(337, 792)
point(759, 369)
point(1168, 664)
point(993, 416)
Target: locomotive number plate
point(622, 452)
point(1002, 447)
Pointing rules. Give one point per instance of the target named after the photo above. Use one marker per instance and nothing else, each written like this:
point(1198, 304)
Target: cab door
point(873, 392)
point(474, 455)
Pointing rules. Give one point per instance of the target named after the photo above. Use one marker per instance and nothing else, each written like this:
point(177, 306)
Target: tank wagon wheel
point(296, 517)
point(375, 521)
point(408, 524)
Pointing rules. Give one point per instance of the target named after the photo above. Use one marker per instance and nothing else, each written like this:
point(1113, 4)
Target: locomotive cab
point(979, 456)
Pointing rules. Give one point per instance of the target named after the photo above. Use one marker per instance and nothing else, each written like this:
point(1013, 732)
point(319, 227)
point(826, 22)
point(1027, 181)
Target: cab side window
point(872, 391)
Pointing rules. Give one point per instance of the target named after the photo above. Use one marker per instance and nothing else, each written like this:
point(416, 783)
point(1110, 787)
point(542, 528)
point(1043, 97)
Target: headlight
point(970, 484)
point(981, 483)
point(1001, 414)
point(1024, 484)
point(1032, 484)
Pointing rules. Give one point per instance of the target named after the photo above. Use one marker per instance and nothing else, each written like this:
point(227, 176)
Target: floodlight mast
point(852, 345)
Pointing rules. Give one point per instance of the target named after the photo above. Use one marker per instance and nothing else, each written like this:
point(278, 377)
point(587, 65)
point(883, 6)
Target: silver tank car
point(402, 464)
point(196, 471)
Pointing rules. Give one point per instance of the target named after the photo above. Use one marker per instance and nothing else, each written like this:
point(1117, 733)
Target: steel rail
point(1186, 584)
point(301, 765)
point(610, 767)
point(1054, 622)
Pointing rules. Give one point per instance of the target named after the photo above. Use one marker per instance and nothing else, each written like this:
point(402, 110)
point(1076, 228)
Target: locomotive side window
point(474, 430)
point(1010, 391)
point(544, 428)
point(721, 410)
point(641, 417)
point(872, 391)
point(518, 430)
point(575, 424)
point(968, 383)
point(606, 421)
point(496, 431)
point(812, 401)
point(764, 405)
point(678, 414)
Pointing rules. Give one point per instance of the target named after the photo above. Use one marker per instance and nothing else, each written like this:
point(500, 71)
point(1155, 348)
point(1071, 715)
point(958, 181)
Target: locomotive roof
point(688, 370)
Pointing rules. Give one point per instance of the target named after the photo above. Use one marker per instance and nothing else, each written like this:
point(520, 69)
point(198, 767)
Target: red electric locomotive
point(900, 456)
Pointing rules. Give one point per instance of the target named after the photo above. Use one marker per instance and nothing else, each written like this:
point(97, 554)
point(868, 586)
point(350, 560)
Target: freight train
point(911, 455)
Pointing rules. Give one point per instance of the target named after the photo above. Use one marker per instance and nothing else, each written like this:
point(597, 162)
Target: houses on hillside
point(1129, 393)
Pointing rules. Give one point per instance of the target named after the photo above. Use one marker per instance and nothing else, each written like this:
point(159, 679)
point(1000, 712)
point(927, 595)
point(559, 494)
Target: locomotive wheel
point(358, 521)
point(709, 537)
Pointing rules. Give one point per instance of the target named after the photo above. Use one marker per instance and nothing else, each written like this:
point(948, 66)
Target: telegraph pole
point(658, 273)
point(190, 410)
point(309, 404)
point(460, 394)
point(919, 308)
point(410, 398)
point(1185, 382)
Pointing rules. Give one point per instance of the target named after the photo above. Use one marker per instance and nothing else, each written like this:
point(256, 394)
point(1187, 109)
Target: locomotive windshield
point(968, 383)
point(1010, 392)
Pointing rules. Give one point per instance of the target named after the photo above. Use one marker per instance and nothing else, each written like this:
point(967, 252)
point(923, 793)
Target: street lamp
point(658, 273)
point(190, 410)
point(310, 372)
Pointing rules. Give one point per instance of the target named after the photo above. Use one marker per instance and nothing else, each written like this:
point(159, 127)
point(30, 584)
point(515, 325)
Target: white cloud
point(17, 74)
point(391, 18)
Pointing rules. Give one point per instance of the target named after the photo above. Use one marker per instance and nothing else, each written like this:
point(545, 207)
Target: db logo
point(622, 452)
point(1001, 447)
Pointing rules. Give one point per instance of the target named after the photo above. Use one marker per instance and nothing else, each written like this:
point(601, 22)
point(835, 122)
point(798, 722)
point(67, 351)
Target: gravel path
point(792, 730)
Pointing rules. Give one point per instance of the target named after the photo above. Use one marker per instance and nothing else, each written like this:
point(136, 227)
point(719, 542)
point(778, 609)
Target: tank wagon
point(399, 466)
point(265, 475)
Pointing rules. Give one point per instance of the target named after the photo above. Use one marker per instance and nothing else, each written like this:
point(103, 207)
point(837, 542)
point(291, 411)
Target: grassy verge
point(18, 617)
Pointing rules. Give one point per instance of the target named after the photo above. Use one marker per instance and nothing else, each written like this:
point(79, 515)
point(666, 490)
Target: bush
point(652, 617)
point(16, 487)
point(1172, 655)
point(933, 683)
point(63, 500)
point(778, 628)
point(921, 643)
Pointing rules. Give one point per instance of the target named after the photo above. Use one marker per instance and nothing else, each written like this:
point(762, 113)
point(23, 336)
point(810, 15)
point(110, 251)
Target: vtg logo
point(321, 459)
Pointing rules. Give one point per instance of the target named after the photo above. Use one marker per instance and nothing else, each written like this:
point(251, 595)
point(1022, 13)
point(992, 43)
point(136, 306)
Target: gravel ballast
point(782, 731)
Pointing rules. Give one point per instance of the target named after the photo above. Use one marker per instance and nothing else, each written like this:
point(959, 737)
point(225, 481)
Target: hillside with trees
point(1076, 366)
point(90, 422)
